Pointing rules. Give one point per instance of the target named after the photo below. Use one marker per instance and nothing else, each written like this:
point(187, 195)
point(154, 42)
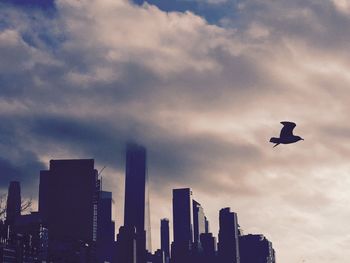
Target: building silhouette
point(165, 239)
point(105, 228)
point(136, 208)
point(67, 202)
point(207, 228)
point(182, 225)
point(157, 257)
point(74, 222)
point(199, 223)
point(256, 249)
point(31, 238)
point(228, 246)
point(126, 247)
point(13, 206)
point(208, 244)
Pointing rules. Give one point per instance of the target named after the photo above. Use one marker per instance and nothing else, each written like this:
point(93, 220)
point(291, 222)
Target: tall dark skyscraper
point(182, 225)
point(165, 238)
point(68, 201)
point(228, 247)
point(13, 207)
point(199, 222)
point(256, 249)
point(136, 209)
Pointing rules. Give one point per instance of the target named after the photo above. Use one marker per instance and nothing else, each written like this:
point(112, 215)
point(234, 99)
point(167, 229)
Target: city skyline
point(74, 222)
point(203, 85)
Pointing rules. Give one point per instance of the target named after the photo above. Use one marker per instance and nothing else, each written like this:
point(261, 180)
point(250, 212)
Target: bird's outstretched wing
point(287, 129)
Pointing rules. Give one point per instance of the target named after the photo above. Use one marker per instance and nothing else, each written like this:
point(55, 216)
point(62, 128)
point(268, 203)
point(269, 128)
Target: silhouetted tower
point(136, 209)
point(228, 247)
point(199, 221)
point(13, 208)
point(182, 225)
point(256, 249)
point(67, 201)
point(208, 243)
point(207, 228)
point(158, 257)
point(165, 238)
point(127, 246)
point(105, 228)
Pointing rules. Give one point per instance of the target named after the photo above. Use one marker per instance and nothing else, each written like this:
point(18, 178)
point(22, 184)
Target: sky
point(203, 84)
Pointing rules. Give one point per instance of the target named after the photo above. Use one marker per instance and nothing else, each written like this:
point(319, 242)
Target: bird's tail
point(275, 140)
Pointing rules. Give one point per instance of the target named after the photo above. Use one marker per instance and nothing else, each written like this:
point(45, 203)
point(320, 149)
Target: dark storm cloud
point(25, 169)
point(173, 158)
point(18, 161)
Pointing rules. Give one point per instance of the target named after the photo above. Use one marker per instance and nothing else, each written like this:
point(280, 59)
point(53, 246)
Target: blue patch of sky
point(31, 3)
point(212, 12)
point(43, 34)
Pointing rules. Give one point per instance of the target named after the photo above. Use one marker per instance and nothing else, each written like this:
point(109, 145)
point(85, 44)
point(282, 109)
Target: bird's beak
point(302, 139)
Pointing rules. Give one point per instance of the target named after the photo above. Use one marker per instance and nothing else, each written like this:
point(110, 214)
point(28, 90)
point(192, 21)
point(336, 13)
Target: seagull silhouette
point(286, 135)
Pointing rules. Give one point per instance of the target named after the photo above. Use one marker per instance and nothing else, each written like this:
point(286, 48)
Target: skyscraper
point(256, 249)
point(199, 222)
point(182, 225)
point(228, 247)
point(13, 207)
point(67, 200)
point(136, 209)
point(208, 243)
point(126, 246)
point(105, 228)
point(207, 228)
point(165, 238)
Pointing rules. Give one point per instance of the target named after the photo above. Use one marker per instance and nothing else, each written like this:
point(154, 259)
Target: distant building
point(165, 239)
point(199, 221)
point(207, 228)
point(157, 257)
point(3, 232)
point(105, 228)
point(67, 202)
point(126, 248)
point(208, 243)
point(256, 249)
point(136, 208)
point(228, 246)
point(13, 206)
point(31, 238)
point(182, 225)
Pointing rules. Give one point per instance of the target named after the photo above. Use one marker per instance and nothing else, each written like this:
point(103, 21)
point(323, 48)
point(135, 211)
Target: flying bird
point(286, 135)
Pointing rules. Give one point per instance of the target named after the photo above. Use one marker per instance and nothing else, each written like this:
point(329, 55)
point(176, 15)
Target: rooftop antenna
point(99, 173)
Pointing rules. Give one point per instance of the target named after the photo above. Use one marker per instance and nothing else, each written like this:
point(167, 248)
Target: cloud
point(203, 97)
